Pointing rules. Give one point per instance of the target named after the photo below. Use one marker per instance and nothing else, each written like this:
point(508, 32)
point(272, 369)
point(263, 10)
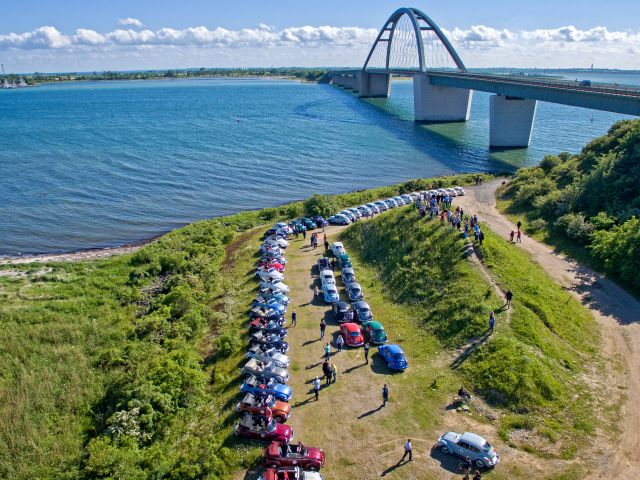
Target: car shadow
point(371, 412)
point(351, 369)
point(313, 365)
point(448, 462)
point(309, 342)
point(379, 366)
point(393, 467)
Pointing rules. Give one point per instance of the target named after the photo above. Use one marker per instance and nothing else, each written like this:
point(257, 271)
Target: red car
point(271, 264)
point(278, 455)
point(351, 334)
point(267, 406)
point(263, 428)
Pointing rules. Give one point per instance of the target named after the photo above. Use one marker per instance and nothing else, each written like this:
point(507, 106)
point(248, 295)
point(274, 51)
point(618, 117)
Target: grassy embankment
point(532, 366)
point(586, 205)
point(116, 368)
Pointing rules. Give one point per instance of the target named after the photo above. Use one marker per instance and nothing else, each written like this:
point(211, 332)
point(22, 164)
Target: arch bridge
point(411, 44)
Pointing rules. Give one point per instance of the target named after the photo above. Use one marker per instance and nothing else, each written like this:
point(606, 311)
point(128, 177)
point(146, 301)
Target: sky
point(73, 35)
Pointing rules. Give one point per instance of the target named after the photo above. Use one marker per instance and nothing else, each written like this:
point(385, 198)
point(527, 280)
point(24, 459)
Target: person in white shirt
point(339, 342)
point(407, 451)
point(316, 388)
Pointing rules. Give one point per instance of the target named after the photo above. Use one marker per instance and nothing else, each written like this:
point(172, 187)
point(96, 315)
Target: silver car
point(266, 370)
point(469, 445)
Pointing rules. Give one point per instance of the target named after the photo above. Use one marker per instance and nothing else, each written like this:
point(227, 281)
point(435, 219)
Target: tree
point(324, 205)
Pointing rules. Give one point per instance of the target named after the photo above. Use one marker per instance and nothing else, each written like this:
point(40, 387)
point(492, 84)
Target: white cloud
point(130, 22)
point(478, 45)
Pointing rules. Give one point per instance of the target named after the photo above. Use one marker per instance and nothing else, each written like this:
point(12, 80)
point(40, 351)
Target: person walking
point(492, 321)
point(508, 296)
point(519, 237)
point(327, 351)
point(519, 224)
point(511, 235)
point(326, 244)
point(323, 326)
point(407, 451)
point(334, 373)
point(366, 353)
point(481, 237)
point(326, 241)
point(339, 342)
point(294, 318)
point(385, 395)
point(316, 387)
point(304, 234)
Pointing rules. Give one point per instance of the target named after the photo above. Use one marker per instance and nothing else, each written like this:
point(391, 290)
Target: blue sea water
point(98, 164)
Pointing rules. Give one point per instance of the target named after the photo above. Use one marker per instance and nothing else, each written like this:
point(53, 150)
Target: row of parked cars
point(356, 320)
point(265, 406)
point(350, 215)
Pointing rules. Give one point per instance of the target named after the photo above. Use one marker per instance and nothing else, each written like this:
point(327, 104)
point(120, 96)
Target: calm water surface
point(100, 164)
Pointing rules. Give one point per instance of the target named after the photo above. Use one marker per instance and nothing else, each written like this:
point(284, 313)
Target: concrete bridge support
point(374, 85)
point(511, 121)
point(436, 103)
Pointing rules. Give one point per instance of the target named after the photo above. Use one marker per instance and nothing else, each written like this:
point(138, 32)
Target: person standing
point(294, 319)
point(519, 237)
point(316, 387)
point(508, 296)
point(323, 326)
point(481, 237)
point(327, 351)
point(316, 293)
point(476, 475)
point(511, 235)
point(334, 373)
point(407, 451)
point(366, 353)
point(339, 342)
point(519, 224)
point(326, 370)
point(492, 321)
point(326, 244)
point(385, 395)
point(304, 234)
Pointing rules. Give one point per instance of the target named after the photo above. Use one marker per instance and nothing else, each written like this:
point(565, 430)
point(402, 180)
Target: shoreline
point(75, 255)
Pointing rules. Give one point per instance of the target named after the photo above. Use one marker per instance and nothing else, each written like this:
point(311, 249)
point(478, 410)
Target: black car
point(362, 311)
point(320, 221)
point(324, 263)
point(340, 310)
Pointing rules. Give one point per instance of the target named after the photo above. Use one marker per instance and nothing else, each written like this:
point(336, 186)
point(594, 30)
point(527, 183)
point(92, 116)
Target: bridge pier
point(374, 85)
point(511, 121)
point(436, 103)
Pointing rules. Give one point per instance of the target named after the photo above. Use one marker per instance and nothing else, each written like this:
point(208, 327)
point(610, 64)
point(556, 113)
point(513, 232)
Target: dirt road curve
point(616, 311)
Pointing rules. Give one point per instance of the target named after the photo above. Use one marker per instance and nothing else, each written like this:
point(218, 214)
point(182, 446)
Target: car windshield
point(355, 334)
point(486, 447)
point(398, 356)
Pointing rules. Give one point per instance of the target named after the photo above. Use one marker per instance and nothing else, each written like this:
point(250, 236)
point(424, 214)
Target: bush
point(324, 205)
point(575, 227)
point(227, 344)
point(618, 249)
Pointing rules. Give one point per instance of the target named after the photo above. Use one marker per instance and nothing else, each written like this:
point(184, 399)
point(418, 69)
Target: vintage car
point(326, 276)
point(469, 445)
point(267, 315)
point(351, 334)
point(337, 248)
point(270, 275)
point(354, 291)
point(324, 263)
point(280, 455)
point(330, 293)
point(344, 260)
point(393, 356)
point(374, 332)
point(340, 310)
point(263, 428)
point(265, 370)
point(268, 326)
point(339, 219)
point(290, 473)
point(362, 311)
point(271, 304)
point(269, 340)
point(348, 275)
point(266, 295)
point(280, 411)
point(282, 287)
point(261, 388)
point(266, 265)
point(269, 355)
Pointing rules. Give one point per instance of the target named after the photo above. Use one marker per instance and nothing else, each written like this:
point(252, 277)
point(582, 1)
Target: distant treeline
point(309, 74)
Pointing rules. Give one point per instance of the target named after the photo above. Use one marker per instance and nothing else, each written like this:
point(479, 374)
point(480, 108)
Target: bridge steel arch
point(415, 16)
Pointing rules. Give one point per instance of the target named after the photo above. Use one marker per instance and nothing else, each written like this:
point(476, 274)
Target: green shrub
point(575, 226)
point(324, 205)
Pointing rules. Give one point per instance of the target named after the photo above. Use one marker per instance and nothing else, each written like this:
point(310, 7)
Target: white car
point(280, 241)
point(270, 275)
point(337, 249)
point(459, 191)
point(275, 286)
point(399, 201)
point(381, 205)
point(326, 277)
point(450, 191)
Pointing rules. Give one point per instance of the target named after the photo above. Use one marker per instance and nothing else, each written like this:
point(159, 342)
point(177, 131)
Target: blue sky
point(85, 35)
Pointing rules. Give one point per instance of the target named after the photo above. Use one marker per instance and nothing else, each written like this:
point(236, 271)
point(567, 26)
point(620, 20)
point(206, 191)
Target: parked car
point(343, 259)
point(265, 315)
point(340, 310)
point(278, 455)
point(374, 332)
point(324, 263)
point(290, 473)
point(307, 222)
point(407, 199)
point(265, 370)
point(373, 207)
point(365, 211)
point(348, 275)
point(330, 293)
point(326, 277)
point(261, 388)
point(278, 240)
point(470, 445)
point(399, 201)
point(270, 264)
point(391, 203)
point(450, 191)
point(270, 340)
point(349, 215)
point(319, 221)
point(267, 294)
point(268, 355)
point(351, 334)
point(362, 311)
point(261, 429)
point(339, 219)
point(354, 291)
point(268, 327)
point(337, 248)
point(356, 213)
point(394, 357)
point(381, 205)
point(459, 191)
point(270, 305)
point(282, 287)
point(266, 406)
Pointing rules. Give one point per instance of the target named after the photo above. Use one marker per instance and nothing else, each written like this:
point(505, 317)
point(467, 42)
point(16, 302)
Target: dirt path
point(616, 311)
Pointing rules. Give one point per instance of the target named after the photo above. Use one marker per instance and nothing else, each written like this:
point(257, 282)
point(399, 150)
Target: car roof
point(347, 270)
point(473, 439)
point(341, 304)
point(330, 286)
point(336, 244)
point(375, 325)
point(393, 348)
point(355, 285)
point(361, 304)
point(352, 327)
point(326, 272)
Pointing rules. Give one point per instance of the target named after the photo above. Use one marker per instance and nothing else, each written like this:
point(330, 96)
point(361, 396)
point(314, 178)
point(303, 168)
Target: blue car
point(271, 304)
point(394, 356)
point(261, 387)
point(274, 295)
